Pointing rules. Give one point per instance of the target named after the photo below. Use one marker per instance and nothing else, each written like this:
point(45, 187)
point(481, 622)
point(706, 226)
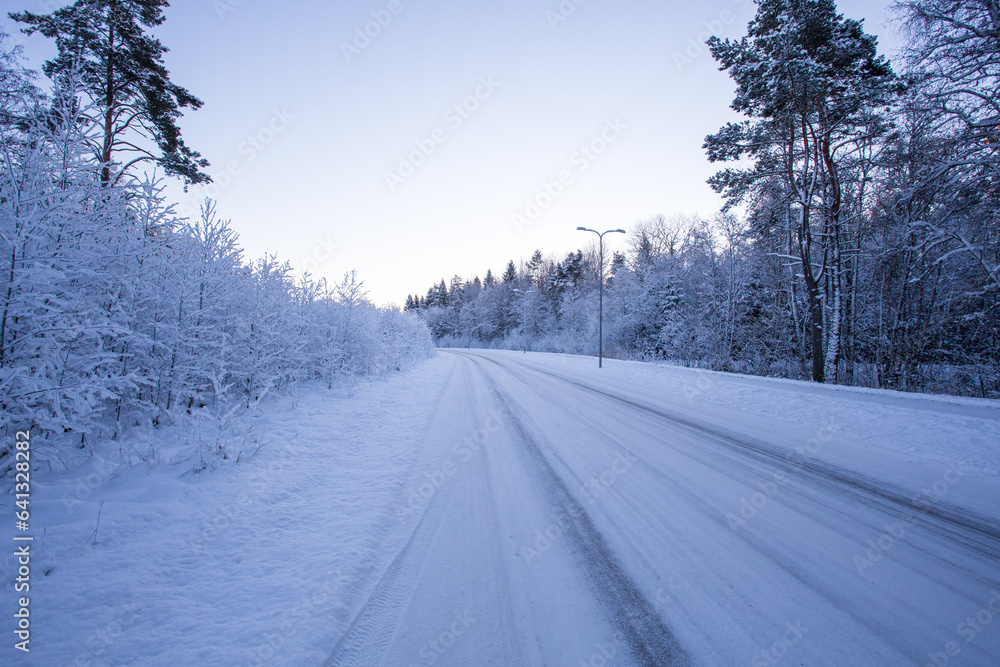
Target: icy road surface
point(561, 517)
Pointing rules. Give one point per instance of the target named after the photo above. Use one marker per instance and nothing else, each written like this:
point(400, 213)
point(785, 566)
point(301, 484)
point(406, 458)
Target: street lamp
point(600, 316)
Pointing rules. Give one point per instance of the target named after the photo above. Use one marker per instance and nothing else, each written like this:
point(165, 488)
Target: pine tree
point(105, 42)
point(510, 273)
point(812, 84)
point(536, 267)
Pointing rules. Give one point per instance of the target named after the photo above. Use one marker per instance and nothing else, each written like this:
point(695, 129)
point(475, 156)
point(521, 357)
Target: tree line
point(859, 243)
point(114, 310)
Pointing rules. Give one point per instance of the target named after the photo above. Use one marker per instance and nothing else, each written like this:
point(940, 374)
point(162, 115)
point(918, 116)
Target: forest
point(859, 243)
point(114, 310)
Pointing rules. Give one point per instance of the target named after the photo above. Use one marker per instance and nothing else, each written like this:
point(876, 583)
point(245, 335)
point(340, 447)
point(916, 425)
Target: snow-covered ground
point(503, 508)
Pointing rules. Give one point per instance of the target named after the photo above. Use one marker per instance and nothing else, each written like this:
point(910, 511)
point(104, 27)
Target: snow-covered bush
point(116, 312)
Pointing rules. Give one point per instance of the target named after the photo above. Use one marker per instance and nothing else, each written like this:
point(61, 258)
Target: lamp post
point(600, 316)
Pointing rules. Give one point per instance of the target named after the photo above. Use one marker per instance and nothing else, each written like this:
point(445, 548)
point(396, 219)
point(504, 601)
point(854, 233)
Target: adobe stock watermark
point(757, 501)
point(461, 453)
point(698, 388)
point(562, 13)
point(970, 628)
point(885, 542)
point(454, 118)
point(434, 648)
point(105, 637)
point(223, 7)
point(288, 626)
point(595, 487)
point(248, 150)
point(545, 538)
point(767, 490)
point(365, 34)
point(773, 654)
point(605, 652)
point(581, 160)
point(324, 250)
point(50, 6)
point(666, 594)
point(18, 38)
point(225, 518)
point(103, 469)
point(797, 458)
point(718, 26)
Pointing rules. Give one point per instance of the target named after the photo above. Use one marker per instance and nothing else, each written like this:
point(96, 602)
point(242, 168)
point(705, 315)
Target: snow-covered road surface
point(560, 517)
point(499, 508)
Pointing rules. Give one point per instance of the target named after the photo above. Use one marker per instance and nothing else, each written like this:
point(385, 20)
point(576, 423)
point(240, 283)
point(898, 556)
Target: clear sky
point(407, 152)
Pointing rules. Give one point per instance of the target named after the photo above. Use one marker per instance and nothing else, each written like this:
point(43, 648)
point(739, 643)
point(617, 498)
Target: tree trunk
point(109, 104)
point(816, 329)
point(836, 316)
point(813, 292)
point(833, 239)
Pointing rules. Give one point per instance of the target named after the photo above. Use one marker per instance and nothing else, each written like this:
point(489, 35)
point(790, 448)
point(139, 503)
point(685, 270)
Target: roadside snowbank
point(252, 563)
point(924, 427)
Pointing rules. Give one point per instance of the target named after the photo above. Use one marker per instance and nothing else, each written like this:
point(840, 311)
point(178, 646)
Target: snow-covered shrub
point(115, 312)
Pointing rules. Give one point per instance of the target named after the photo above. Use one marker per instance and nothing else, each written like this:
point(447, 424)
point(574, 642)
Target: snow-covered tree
point(812, 85)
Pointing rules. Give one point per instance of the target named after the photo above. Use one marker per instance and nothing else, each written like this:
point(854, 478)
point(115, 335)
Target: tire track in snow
point(855, 607)
point(649, 639)
point(372, 629)
point(978, 533)
point(788, 562)
point(376, 631)
point(373, 626)
point(499, 563)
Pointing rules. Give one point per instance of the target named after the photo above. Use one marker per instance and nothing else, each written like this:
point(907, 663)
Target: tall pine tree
point(105, 43)
point(811, 84)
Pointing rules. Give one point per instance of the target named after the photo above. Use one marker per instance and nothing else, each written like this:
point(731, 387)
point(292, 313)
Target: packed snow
point(508, 508)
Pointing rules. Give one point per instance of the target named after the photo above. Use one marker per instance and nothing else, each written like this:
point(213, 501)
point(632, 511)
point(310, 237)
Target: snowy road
point(563, 518)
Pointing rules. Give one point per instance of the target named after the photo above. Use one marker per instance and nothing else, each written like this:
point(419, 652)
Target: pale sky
point(407, 153)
